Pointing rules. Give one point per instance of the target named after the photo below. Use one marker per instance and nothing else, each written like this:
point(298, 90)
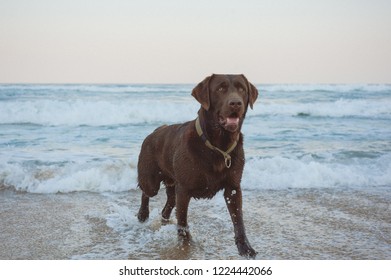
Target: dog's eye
point(240, 89)
point(220, 89)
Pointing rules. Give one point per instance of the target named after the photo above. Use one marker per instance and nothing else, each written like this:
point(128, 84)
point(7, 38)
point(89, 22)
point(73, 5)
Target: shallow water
point(281, 224)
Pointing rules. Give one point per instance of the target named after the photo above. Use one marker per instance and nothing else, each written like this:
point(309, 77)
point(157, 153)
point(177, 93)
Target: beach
point(300, 224)
point(316, 183)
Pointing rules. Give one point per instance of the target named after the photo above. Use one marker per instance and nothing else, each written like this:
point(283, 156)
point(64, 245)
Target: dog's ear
point(252, 92)
point(201, 93)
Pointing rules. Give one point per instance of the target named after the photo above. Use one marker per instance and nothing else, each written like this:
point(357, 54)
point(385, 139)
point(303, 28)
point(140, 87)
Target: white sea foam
point(110, 176)
point(259, 173)
point(281, 172)
point(95, 113)
point(138, 111)
point(337, 109)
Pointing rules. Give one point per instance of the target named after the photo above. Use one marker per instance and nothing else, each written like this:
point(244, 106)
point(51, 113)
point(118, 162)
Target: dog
point(199, 158)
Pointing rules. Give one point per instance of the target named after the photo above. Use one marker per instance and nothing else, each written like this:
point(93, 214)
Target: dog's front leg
point(233, 199)
point(182, 204)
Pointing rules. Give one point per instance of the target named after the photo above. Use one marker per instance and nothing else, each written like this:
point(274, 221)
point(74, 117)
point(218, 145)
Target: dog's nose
point(235, 103)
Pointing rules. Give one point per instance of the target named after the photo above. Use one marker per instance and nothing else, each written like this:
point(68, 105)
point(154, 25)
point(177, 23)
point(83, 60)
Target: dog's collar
point(227, 157)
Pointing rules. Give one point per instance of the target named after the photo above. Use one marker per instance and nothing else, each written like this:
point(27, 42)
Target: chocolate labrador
point(198, 158)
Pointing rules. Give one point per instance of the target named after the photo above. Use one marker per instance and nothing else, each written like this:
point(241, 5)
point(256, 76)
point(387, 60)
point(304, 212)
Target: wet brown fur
point(177, 156)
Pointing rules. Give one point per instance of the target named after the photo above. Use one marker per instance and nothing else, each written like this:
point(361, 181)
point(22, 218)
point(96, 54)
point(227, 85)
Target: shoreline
point(303, 224)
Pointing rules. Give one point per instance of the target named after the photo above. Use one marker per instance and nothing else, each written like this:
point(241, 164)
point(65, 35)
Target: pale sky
point(179, 41)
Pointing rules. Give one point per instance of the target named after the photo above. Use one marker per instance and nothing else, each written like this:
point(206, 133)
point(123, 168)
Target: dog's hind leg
point(170, 204)
point(150, 188)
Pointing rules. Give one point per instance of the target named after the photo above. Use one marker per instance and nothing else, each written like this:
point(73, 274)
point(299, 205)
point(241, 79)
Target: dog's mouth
point(230, 123)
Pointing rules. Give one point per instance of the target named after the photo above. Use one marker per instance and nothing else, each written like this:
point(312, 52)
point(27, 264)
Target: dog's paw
point(143, 215)
point(246, 250)
point(184, 233)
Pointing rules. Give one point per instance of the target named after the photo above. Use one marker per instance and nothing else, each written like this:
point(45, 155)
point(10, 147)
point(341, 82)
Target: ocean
point(317, 179)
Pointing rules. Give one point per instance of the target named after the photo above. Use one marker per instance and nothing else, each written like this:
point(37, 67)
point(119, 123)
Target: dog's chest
point(219, 167)
point(207, 189)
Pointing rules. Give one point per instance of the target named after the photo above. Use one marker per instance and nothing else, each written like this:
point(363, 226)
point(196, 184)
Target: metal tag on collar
point(227, 160)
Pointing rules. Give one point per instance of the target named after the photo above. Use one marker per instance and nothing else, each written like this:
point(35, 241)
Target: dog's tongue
point(232, 121)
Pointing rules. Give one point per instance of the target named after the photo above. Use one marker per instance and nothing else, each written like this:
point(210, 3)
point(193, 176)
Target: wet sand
point(281, 224)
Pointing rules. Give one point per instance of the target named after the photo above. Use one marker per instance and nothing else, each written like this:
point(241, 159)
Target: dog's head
point(226, 98)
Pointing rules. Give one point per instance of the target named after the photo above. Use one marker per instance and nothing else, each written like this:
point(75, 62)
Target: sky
point(179, 41)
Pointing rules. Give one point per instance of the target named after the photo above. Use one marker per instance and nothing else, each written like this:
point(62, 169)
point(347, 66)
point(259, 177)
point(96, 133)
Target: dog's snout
point(235, 103)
